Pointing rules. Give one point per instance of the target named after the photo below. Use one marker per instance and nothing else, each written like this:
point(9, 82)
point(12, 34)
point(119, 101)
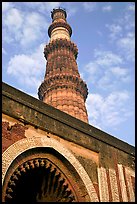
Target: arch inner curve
point(39, 180)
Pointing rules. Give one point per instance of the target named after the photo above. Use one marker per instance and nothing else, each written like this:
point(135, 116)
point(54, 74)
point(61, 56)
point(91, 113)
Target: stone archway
point(23, 145)
point(39, 179)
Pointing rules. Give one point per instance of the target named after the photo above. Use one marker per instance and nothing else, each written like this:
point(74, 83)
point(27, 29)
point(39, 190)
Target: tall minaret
point(62, 86)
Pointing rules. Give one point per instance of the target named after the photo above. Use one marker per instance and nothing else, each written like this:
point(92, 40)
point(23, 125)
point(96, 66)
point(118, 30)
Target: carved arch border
point(28, 143)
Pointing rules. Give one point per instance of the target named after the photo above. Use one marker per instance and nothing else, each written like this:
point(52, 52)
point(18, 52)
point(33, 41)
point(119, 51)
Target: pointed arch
point(29, 143)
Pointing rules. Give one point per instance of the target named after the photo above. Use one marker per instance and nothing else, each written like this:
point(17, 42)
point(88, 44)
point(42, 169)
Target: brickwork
point(102, 164)
point(62, 87)
point(11, 134)
point(109, 181)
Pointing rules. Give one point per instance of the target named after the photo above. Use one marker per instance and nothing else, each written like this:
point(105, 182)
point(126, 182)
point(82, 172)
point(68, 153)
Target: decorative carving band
point(59, 24)
point(63, 81)
point(41, 177)
point(58, 44)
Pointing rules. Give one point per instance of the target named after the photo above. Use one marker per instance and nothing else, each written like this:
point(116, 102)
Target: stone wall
point(103, 165)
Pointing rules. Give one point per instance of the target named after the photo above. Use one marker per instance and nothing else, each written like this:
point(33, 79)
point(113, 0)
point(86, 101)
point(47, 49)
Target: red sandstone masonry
point(11, 134)
point(117, 175)
point(76, 136)
point(133, 182)
point(109, 185)
point(62, 74)
point(97, 190)
point(126, 184)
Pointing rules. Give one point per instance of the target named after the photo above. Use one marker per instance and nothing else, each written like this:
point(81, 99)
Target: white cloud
point(99, 70)
point(33, 28)
point(122, 33)
point(107, 58)
point(6, 37)
point(6, 6)
point(107, 8)
point(105, 81)
point(131, 7)
point(71, 10)
point(4, 51)
point(12, 25)
point(43, 7)
point(121, 74)
point(46, 7)
point(106, 70)
point(118, 71)
point(13, 19)
point(28, 69)
point(92, 67)
point(115, 30)
point(51, 5)
point(23, 27)
point(127, 46)
point(108, 111)
point(128, 20)
point(89, 6)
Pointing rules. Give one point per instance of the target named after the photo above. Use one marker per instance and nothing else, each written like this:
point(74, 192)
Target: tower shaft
point(62, 86)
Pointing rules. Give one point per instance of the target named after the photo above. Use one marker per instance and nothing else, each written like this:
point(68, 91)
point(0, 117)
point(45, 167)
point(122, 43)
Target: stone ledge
point(57, 117)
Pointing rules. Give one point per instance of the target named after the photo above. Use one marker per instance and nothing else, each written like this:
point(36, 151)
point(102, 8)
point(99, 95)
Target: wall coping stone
point(14, 94)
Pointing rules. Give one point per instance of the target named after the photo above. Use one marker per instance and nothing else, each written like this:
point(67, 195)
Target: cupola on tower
point(62, 87)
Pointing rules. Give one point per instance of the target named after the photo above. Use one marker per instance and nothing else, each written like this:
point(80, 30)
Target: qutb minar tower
point(62, 87)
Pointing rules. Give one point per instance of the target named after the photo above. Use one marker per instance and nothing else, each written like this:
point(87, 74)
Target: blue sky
point(105, 36)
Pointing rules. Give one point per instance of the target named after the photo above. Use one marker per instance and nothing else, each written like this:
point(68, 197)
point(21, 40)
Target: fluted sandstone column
point(62, 86)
